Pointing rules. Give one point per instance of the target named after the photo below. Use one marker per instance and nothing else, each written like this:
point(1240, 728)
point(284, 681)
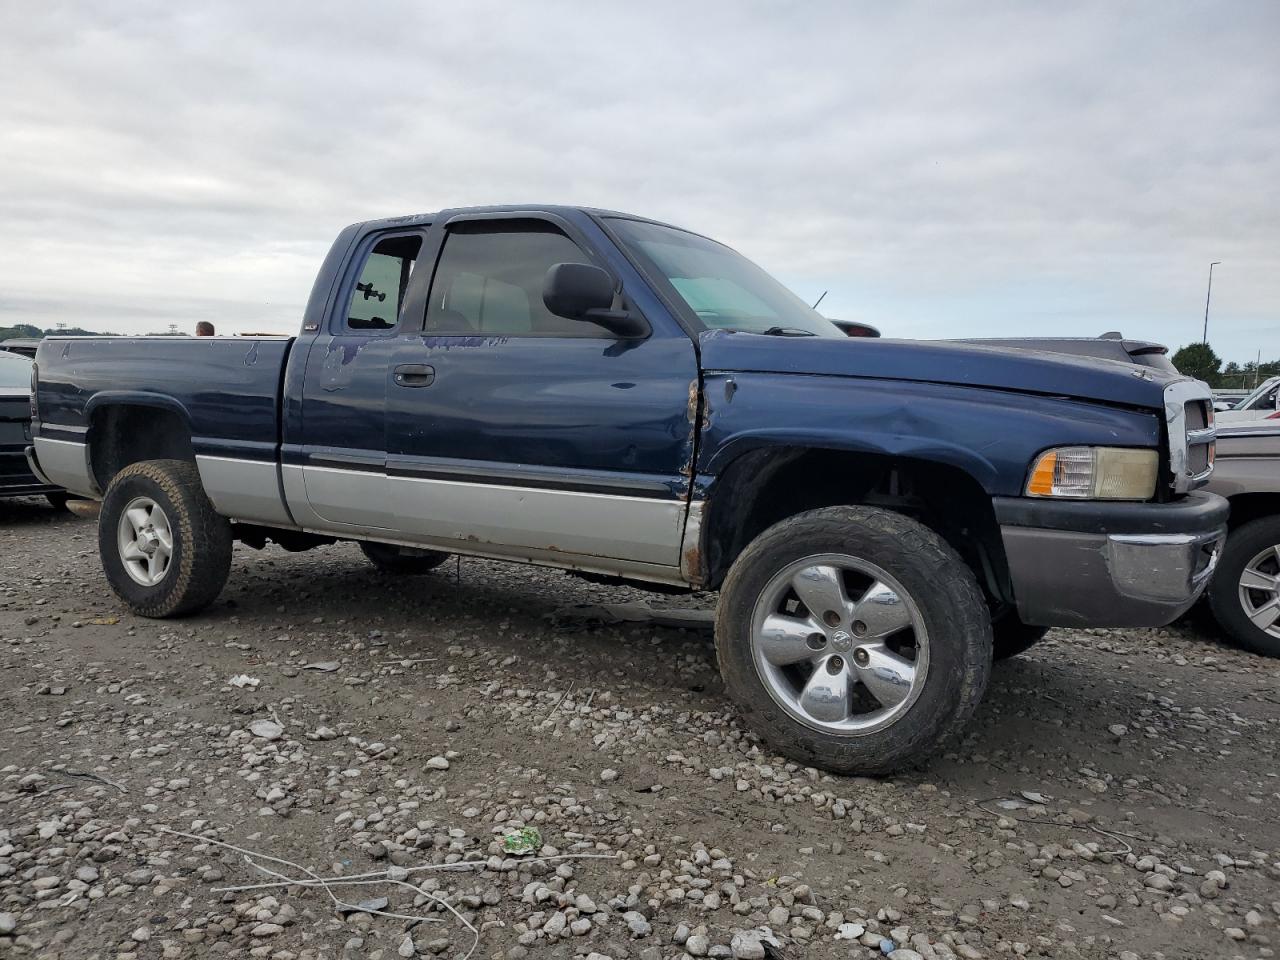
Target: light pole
point(1208, 294)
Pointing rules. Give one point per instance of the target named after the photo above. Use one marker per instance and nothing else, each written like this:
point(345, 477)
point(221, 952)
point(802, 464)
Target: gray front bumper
point(1101, 564)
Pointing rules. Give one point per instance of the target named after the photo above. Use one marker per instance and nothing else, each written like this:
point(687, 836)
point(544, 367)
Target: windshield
point(15, 372)
point(1261, 398)
point(724, 289)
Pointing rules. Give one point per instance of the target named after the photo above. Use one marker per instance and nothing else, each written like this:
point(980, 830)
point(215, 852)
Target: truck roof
point(418, 219)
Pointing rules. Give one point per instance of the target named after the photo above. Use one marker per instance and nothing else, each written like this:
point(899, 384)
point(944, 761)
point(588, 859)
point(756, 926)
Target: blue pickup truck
point(637, 403)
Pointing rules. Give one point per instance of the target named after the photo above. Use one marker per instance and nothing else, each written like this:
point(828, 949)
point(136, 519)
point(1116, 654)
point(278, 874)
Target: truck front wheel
point(164, 549)
point(853, 639)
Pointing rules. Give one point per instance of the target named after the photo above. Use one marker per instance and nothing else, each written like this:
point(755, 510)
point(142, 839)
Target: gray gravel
point(1116, 797)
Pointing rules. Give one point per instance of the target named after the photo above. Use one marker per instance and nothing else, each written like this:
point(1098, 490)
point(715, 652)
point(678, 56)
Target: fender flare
point(135, 398)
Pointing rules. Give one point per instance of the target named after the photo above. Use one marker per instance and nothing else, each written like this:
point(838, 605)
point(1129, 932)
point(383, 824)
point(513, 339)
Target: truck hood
point(960, 364)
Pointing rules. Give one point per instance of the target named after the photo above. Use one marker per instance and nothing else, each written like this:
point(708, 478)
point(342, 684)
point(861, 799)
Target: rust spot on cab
point(691, 564)
point(691, 412)
point(691, 560)
point(686, 468)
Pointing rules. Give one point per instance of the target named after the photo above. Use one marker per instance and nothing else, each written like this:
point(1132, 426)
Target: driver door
point(527, 434)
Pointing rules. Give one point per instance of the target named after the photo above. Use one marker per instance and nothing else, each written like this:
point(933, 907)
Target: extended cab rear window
point(378, 294)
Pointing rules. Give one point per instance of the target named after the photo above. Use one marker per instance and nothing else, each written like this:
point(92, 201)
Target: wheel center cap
point(841, 641)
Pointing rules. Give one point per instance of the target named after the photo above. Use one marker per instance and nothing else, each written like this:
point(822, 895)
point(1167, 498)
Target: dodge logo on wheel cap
point(841, 641)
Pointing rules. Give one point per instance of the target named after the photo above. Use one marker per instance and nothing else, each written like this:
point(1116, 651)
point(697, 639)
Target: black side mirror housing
point(582, 291)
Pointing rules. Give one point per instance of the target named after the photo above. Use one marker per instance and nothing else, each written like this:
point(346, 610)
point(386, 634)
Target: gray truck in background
point(1244, 595)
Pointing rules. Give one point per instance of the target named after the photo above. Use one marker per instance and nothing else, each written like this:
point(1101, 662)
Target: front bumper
point(1108, 564)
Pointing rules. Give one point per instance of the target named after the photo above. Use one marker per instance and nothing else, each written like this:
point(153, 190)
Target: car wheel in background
point(853, 639)
point(403, 561)
point(1245, 593)
point(164, 549)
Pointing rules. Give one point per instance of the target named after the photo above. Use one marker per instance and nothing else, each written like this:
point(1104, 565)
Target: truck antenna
point(819, 300)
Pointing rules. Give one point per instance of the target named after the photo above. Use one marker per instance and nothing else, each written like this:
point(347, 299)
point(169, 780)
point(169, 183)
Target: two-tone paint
point(588, 452)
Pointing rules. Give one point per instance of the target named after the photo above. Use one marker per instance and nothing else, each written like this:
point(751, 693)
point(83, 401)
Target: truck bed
point(226, 389)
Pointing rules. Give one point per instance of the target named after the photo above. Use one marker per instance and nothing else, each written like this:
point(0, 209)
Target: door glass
point(379, 291)
point(489, 283)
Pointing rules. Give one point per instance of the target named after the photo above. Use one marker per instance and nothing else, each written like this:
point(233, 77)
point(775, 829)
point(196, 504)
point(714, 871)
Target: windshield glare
point(1254, 401)
point(724, 289)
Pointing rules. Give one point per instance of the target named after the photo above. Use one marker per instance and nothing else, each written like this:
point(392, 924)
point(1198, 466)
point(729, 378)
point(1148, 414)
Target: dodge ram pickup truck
point(638, 403)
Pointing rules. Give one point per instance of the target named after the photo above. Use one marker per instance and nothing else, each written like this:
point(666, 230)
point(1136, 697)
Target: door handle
point(414, 375)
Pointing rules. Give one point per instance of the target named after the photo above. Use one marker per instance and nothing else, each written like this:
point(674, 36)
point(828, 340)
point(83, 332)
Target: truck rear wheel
point(164, 549)
point(403, 561)
point(853, 639)
point(1244, 595)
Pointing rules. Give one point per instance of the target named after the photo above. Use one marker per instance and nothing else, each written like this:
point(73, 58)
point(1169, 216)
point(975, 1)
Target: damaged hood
point(960, 364)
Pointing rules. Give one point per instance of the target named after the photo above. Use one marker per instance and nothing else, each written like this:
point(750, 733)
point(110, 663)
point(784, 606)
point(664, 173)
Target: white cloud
point(944, 169)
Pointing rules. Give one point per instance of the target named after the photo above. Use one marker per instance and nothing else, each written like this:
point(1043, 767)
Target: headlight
point(1095, 473)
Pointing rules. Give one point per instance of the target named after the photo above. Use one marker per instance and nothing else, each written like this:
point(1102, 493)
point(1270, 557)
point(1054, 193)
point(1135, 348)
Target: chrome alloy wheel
point(1260, 590)
point(145, 541)
point(839, 644)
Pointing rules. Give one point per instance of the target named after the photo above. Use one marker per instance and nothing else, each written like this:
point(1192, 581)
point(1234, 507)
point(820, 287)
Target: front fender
point(992, 435)
point(877, 442)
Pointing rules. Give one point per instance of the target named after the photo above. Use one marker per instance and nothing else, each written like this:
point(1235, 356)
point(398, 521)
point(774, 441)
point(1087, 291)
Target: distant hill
point(26, 330)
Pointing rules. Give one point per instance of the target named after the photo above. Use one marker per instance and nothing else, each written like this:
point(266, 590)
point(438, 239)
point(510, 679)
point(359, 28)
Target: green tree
point(1198, 360)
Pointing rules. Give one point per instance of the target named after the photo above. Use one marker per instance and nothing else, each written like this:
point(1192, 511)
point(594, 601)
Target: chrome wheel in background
point(1259, 590)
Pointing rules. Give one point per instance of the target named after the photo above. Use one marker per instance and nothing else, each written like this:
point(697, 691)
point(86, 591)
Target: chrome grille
point(1188, 410)
point(1197, 415)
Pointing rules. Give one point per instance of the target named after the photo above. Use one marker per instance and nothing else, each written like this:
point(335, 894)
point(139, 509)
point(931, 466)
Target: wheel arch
point(769, 483)
point(1252, 506)
point(125, 428)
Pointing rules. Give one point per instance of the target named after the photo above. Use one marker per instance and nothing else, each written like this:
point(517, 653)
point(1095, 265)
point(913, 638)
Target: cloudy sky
point(943, 169)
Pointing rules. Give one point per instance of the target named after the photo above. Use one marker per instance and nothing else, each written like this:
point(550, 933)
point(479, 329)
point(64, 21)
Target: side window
point(489, 282)
point(379, 290)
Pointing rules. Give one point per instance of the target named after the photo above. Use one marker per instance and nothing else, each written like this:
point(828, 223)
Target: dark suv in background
point(16, 478)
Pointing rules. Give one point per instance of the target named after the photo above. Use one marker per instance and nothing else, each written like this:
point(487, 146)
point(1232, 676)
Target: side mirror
point(581, 291)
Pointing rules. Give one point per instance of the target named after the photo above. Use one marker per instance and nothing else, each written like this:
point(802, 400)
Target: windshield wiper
point(788, 332)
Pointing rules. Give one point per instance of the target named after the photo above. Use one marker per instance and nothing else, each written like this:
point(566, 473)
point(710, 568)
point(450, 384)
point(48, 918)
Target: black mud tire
point(58, 499)
point(944, 590)
point(1010, 637)
point(201, 558)
point(402, 561)
point(1243, 544)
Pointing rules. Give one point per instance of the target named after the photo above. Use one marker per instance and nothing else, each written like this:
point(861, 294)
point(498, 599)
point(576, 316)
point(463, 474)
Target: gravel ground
point(1116, 796)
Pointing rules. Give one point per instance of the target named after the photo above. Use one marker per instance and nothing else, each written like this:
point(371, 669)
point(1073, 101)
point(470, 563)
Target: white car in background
point(1259, 405)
